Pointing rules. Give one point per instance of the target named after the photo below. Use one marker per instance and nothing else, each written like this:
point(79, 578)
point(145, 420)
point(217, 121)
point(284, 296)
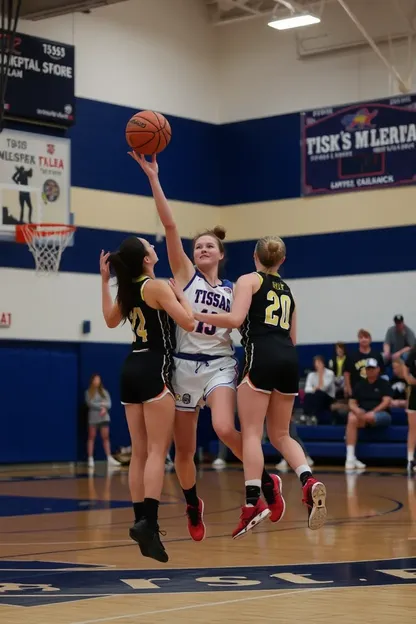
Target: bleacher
point(327, 441)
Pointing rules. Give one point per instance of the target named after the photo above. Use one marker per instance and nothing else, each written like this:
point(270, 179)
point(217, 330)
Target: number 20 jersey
point(270, 313)
point(206, 339)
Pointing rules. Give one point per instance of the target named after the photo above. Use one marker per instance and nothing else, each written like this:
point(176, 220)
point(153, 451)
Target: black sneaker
point(149, 540)
point(143, 547)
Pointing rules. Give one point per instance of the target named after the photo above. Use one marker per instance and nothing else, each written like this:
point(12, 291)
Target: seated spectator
point(369, 407)
point(399, 384)
point(398, 341)
point(356, 365)
point(319, 389)
point(339, 364)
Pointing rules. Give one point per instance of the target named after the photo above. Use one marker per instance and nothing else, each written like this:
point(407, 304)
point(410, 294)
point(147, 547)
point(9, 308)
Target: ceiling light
point(294, 22)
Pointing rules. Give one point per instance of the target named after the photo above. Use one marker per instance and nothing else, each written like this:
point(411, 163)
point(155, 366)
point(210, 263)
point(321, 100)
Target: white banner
point(35, 178)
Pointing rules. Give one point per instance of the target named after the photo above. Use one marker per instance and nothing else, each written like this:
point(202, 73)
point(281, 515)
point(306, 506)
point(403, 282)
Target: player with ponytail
point(264, 310)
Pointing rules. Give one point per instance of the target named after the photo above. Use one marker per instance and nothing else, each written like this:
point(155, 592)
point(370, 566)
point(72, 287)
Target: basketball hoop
point(47, 242)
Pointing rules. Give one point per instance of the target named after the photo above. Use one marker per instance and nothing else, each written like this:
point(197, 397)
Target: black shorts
point(412, 399)
point(146, 376)
point(269, 365)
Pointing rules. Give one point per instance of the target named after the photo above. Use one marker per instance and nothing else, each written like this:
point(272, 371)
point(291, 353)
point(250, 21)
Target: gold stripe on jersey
point(136, 280)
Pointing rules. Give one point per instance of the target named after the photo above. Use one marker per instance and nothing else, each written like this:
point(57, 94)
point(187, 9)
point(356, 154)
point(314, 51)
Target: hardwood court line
point(115, 541)
point(224, 602)
point(199, 606)
point(334, 522)
point(99, 567)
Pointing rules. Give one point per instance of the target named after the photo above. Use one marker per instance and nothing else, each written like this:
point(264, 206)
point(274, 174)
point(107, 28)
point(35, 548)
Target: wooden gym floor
point(65, 555)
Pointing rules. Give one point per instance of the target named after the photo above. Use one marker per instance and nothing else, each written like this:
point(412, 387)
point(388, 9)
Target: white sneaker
point(112, 462)
point(219, 463)
point(282, 466)
point(90, 462)
point(354, 464)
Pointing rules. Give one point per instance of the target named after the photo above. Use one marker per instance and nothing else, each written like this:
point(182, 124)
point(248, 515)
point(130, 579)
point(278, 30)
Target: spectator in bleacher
point(339, 365)
point(369, 407)
point(319, 388)
point(356, 366)
point(410, 376)
point(98, 401)
point(399, 384)
point(399, 340)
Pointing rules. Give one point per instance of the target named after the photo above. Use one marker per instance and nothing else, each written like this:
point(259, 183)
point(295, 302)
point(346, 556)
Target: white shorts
point(193, 381)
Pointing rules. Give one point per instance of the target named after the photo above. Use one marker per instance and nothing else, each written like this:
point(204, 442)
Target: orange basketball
point(148, 132)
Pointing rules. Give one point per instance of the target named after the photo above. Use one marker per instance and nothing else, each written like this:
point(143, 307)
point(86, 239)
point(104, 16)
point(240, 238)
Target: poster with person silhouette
point(360, 146)
point(34, 178)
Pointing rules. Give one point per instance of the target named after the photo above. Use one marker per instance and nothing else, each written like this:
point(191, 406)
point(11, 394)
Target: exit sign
point(5, 319)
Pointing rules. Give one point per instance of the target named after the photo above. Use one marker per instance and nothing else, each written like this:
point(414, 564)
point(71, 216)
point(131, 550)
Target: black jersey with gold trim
point(152, 329)
point(270, 312)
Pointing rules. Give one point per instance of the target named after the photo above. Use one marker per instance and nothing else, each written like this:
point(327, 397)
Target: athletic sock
point(138, 511)
point(151, 509)
point(191, 496)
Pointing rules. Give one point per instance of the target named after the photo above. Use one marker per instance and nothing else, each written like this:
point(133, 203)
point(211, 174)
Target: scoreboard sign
point(363, 146)
point(40, 86)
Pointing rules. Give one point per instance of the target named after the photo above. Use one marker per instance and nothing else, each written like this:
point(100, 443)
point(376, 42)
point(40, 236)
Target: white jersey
point(206, 339)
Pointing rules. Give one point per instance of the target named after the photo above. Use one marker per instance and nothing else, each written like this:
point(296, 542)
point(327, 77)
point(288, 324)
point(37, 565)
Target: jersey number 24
point(138, 323)
point(279, 302)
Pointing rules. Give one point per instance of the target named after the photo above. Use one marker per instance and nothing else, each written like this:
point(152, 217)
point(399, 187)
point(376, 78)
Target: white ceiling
point(226, 11)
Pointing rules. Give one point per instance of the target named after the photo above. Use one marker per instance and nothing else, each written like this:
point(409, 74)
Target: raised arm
point(171, 299)
point(111, 311)
point(243, 293)
point(181, 266)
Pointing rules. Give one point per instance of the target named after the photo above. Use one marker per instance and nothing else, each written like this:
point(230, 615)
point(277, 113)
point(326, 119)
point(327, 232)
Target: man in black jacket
point(369, 407)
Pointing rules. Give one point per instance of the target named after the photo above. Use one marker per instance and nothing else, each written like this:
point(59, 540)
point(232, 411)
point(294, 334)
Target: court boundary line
point(235, 600)
point(334, 522)
point(198, 606)
point(113, 568)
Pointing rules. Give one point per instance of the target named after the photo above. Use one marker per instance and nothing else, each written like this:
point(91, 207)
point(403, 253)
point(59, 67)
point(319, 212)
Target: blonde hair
point(270, 250)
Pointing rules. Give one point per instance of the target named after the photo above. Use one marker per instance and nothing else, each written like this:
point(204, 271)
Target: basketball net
point(47, 242)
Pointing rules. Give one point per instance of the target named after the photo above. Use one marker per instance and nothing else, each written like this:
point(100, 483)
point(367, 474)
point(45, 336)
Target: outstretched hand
point(150, 167)
point(176, 289)
point(104, 266)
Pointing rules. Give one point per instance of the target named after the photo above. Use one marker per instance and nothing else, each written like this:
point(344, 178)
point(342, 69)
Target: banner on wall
point(34, 178)
point(357, 147)
point(40, 85)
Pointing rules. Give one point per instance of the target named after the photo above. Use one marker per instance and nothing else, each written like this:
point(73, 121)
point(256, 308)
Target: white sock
point(350, 452)
point(302, 468)
point(410, 456)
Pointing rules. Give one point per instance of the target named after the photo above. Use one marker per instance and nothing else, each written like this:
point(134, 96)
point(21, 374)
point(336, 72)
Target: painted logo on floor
point(29, 583)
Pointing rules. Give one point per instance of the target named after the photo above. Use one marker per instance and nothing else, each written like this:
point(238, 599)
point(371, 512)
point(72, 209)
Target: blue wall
point(320, 255)
point(43, 396)
point(254, 160)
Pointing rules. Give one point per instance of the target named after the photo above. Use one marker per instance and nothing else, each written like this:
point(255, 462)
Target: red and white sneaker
point(251, 517)
point(275, 501)
point(196, 526)
point(314, 497)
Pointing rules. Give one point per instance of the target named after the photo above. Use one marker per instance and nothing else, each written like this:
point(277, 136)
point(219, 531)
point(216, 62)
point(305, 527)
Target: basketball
point(148, 132)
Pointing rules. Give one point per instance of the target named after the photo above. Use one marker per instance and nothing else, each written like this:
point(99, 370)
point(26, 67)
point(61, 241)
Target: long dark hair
point(127, 264)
